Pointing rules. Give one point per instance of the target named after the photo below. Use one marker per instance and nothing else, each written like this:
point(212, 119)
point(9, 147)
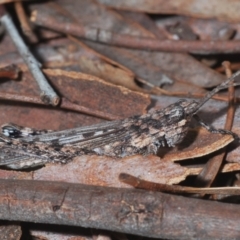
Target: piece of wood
point(133, 211)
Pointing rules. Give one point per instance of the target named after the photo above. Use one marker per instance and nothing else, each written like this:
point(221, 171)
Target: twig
point(25, 25)
point(134, 211)
point(231, 98)
point(234, 67)
point(212, 167)
point(159, 91)
point(124, 40)
point(48, 95)
point(20, 98)
point(108, 60)
point(152, 186)
point(10, 72)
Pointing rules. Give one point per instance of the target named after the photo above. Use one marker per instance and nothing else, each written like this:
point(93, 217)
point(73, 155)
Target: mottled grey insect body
point(24, 147)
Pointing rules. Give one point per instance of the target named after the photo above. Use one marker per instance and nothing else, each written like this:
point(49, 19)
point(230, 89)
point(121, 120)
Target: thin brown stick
point(212, 167)
point(234, 67)
point(10, 72)
point(24, 21)
point(20, 98)
point(231, 98)
point(151, 186)
point(124, 40)
point(159, 91)
point(109, 60)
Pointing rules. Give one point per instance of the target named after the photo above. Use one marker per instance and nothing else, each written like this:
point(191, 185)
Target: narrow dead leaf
point(122, 101)
point(181, 68)
point(104, 171)
point(222, 10)
point(82, 89)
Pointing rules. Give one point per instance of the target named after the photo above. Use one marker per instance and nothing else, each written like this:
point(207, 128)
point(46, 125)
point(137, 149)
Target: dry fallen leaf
point(226, 10)
point(197, 143)
point(82, 89)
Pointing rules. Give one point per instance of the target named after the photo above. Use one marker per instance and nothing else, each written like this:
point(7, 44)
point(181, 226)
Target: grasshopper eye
point(11, 131)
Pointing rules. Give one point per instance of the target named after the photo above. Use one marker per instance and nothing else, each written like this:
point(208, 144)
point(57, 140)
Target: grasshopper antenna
point(215, 90)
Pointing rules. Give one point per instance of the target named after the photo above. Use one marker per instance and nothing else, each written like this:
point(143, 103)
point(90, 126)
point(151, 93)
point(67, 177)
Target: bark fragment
point(134, 211)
